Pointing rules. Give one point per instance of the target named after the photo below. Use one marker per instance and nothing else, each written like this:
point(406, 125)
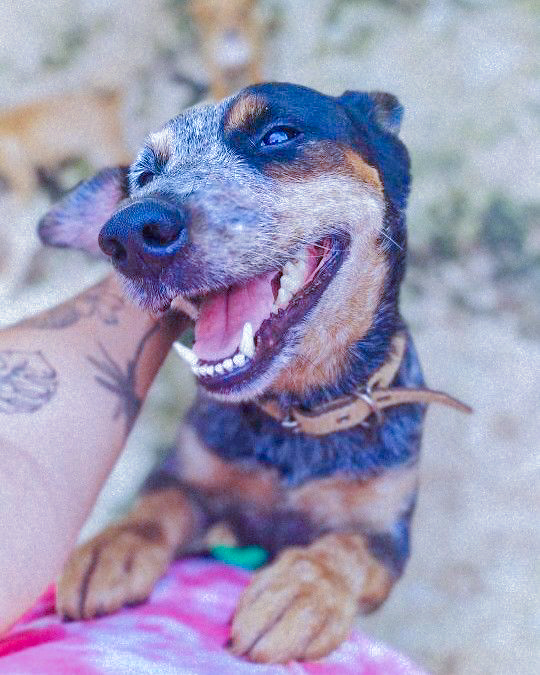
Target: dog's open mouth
point(240, 330)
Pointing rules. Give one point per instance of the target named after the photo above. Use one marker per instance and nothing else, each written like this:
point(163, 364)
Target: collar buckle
point(289, 422)
point(376, 418)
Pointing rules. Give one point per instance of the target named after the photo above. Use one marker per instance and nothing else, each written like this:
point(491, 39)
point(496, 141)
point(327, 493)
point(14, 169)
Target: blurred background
point(83, 81)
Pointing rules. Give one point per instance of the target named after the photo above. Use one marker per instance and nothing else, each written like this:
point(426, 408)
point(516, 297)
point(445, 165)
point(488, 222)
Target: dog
point(231, 43)
point(42, 134)
point(279, 214)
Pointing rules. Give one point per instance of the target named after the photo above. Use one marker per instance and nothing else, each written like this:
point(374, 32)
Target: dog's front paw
point(118, 567)
point(299, 607)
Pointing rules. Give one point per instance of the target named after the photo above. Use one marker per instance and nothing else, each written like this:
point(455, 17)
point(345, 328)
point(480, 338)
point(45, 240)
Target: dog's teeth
point(209, 370)
point(291, 283)
point(195, 369)
point(288, 268)
point(185, 353)
point(301, 261)
point(228, 365)
point(296, 268)
point(283, 297)
point(219, 368)
point(239, 359)
point(247, 343)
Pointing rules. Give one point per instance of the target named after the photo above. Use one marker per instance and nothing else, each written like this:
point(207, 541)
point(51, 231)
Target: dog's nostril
point(119, 252)
point(113, 248)
point(158, 234)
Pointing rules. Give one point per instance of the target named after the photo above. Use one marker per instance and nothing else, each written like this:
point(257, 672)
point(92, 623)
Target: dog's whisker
point(387, 236)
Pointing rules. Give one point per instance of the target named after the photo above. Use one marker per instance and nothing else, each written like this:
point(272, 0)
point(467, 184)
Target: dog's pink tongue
point(222, 316)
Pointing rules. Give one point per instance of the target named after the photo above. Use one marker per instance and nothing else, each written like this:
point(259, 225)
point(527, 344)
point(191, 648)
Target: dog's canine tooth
point(203, 370)
point(239, 359)
point(209, 370)
point(228, 365)
point(186, 354)
point(247, 343)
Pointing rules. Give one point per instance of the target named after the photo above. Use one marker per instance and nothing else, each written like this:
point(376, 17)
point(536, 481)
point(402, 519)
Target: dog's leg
point(303, 605)
point(122, 564)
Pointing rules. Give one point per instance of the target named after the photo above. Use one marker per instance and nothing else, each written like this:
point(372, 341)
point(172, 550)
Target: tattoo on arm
point(122, 383)
point(27, 381)
point(97, 302)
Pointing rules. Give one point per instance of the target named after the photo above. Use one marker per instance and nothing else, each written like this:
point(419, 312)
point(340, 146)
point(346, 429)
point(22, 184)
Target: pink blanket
point(181, 630)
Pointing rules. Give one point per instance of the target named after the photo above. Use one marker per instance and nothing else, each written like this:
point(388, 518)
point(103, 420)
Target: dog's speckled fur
point(335, 509)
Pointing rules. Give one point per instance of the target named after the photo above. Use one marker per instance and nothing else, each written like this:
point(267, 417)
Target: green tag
point(249, 557)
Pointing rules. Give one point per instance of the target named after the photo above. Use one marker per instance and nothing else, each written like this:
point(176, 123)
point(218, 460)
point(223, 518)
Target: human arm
point(71, 383)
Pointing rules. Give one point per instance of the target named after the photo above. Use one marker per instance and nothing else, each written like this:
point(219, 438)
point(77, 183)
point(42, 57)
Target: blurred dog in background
point(231, 43)
point(42, 134)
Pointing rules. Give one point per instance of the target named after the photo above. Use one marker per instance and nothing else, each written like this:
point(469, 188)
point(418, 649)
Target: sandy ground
point(468, 602)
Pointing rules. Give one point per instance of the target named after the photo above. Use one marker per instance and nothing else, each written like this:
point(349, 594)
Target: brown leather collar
point(354, 410)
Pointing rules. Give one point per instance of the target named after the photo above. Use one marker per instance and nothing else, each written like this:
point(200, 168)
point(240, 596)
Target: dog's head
point(278, 212)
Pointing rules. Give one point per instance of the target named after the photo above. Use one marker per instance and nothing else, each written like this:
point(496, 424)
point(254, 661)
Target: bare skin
point(72, 381)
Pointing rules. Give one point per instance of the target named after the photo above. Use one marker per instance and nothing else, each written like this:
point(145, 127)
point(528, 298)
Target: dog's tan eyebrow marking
point(318, 158)
point(161, 144)
point(323, 157)
point(245, 112)
point(365, 172)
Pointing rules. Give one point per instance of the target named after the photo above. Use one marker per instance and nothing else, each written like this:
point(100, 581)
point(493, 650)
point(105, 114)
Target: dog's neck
point(247, 431)
point(366, 356)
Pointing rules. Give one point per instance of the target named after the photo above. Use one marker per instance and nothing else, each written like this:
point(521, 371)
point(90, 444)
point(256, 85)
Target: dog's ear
point(76, 220)
point(384, 109)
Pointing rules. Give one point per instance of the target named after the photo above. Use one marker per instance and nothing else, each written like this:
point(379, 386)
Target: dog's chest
point(244, 433)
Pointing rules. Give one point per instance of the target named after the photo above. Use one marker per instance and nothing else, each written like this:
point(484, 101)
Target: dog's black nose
point(142, 235)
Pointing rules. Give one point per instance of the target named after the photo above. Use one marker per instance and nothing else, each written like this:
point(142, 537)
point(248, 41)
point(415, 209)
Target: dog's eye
point(144, 178)
point(279, 135)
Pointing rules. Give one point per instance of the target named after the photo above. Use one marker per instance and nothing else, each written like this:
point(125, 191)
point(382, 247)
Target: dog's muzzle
point(144, 235)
